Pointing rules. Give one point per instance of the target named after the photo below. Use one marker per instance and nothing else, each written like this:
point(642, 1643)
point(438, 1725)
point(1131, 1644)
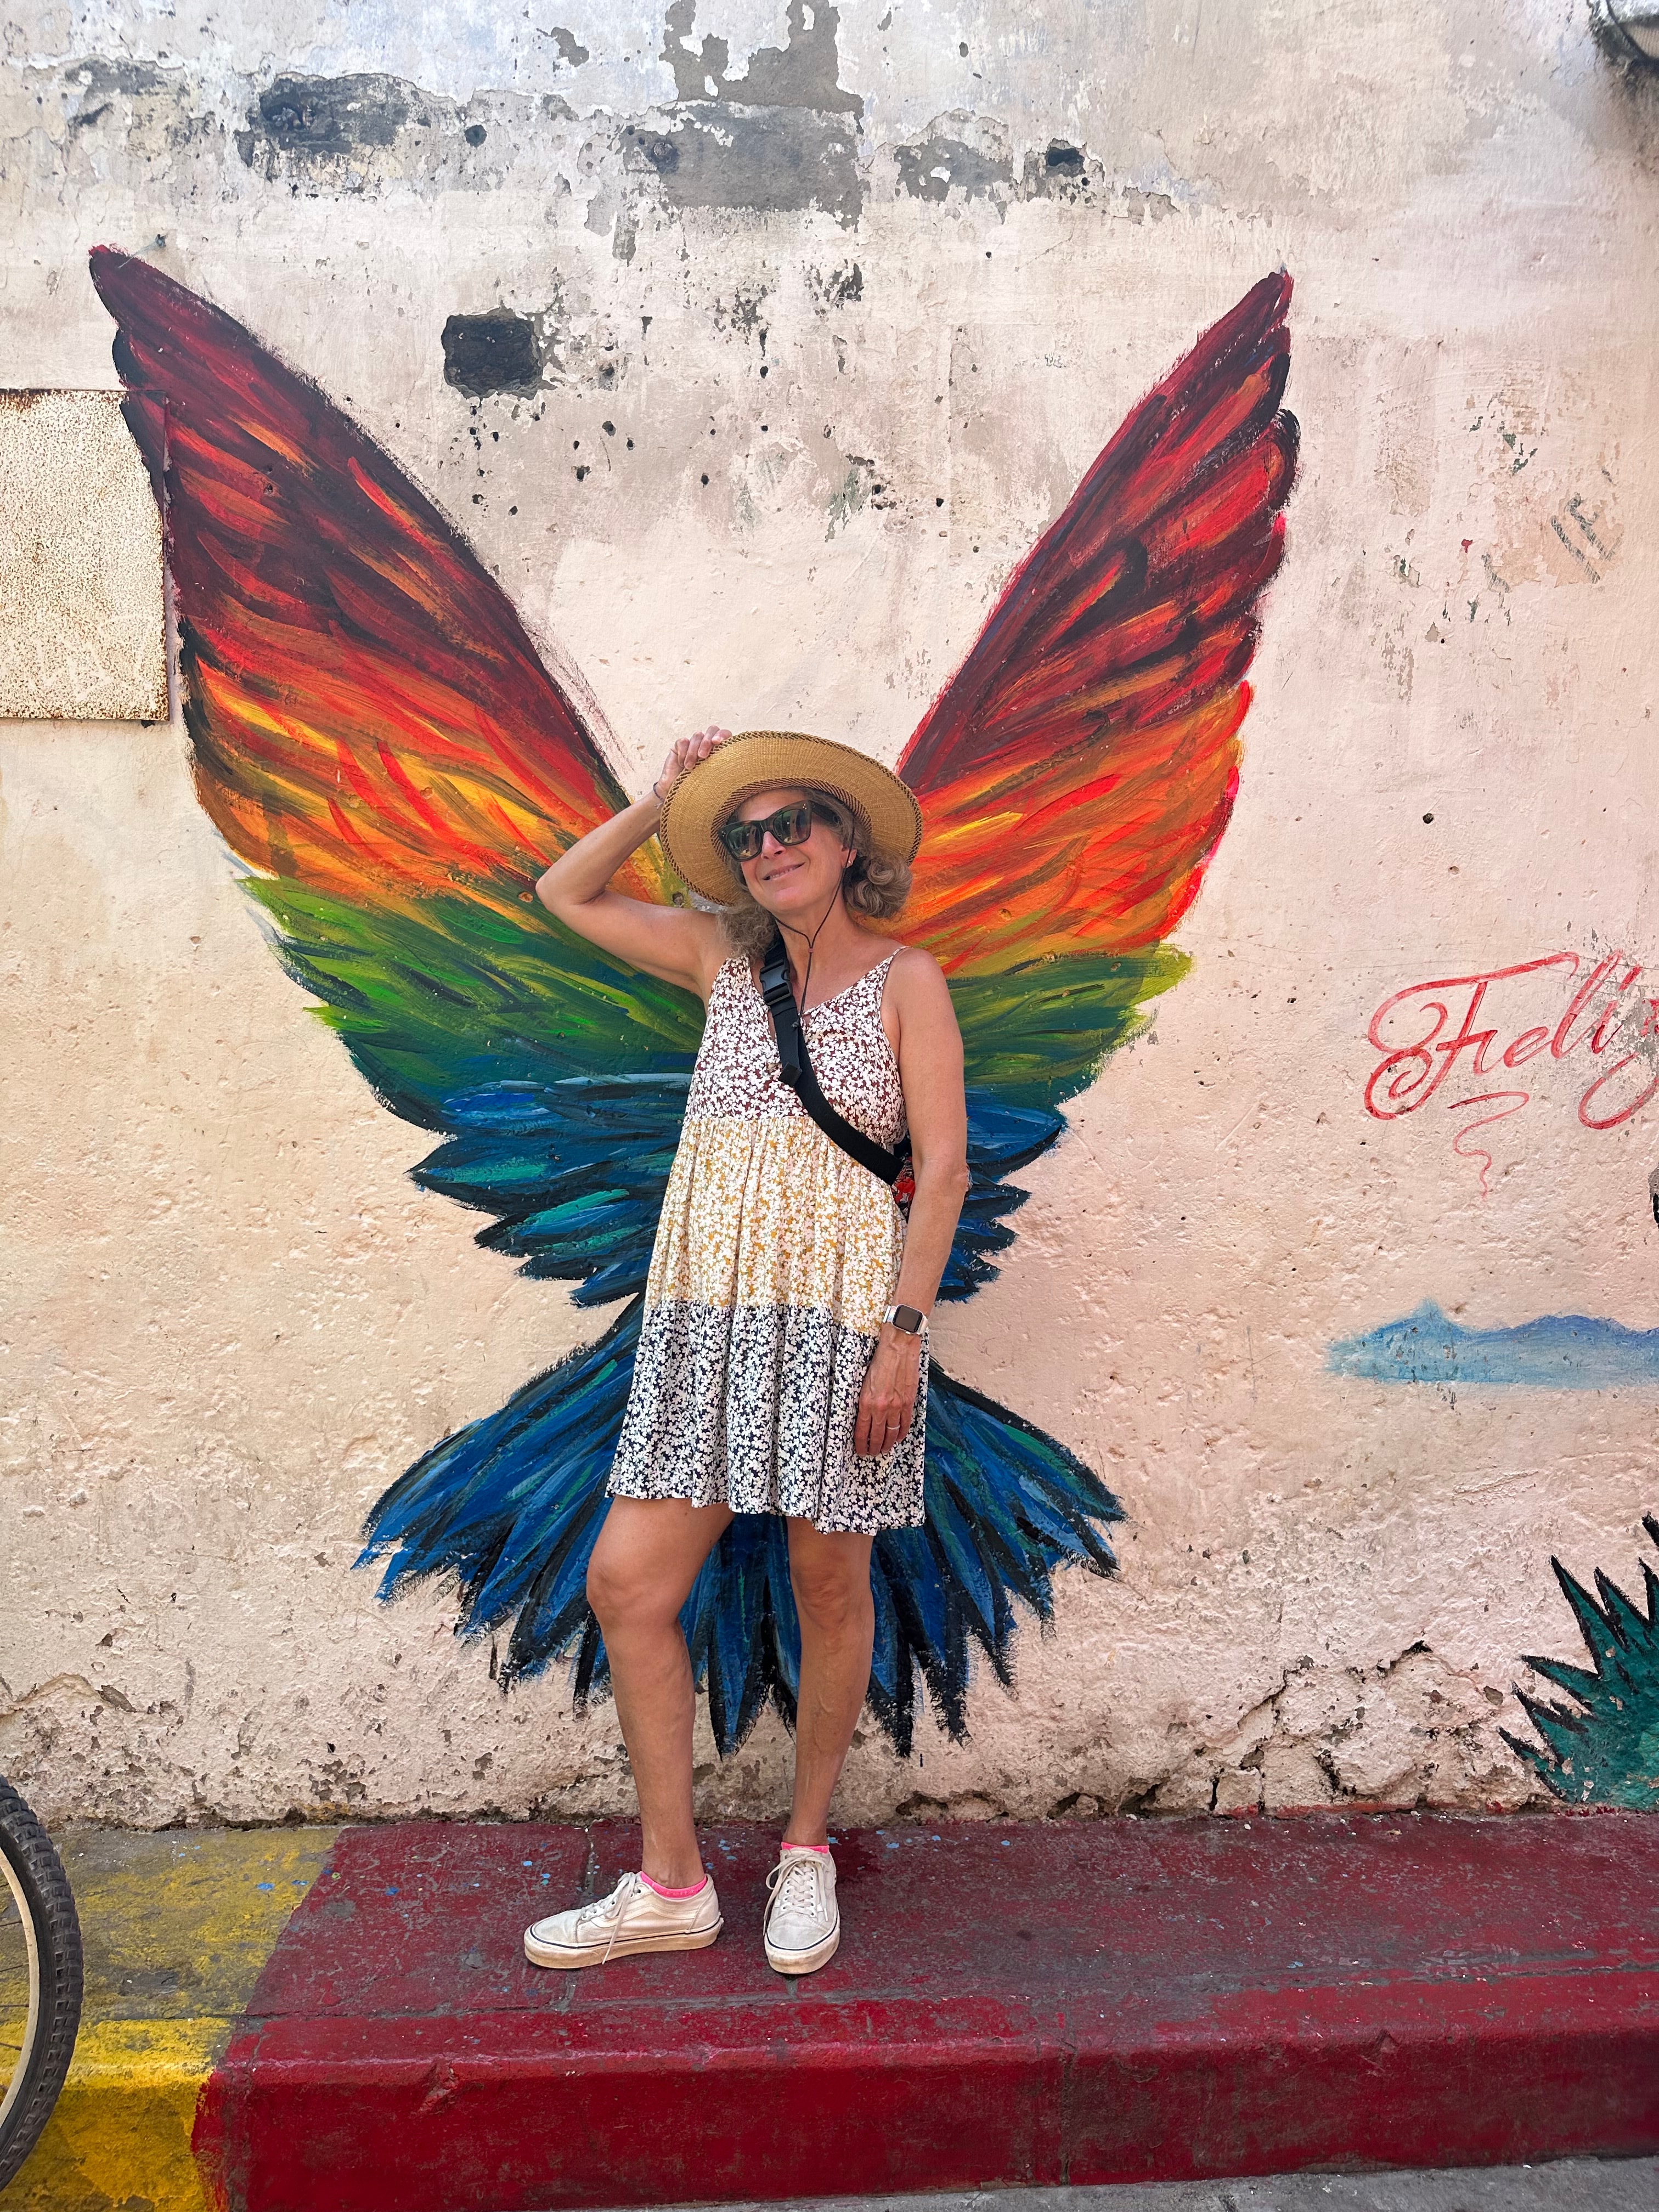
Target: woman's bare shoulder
point(916, 982)
point(916, 968)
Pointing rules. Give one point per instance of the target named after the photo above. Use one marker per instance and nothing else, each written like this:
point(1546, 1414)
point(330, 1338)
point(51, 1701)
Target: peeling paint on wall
point(803, 72)
point(960, 154)
point(777, 135)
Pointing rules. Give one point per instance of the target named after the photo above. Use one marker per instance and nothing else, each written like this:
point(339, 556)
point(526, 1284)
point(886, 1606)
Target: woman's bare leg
point(641, 1574)
point(831, 1579)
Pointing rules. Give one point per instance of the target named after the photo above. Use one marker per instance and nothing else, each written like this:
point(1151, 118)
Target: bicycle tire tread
point(30, 1850)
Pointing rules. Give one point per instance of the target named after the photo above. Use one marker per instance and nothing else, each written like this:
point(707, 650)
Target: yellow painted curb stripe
point(176, 1927)
point(120, 2135)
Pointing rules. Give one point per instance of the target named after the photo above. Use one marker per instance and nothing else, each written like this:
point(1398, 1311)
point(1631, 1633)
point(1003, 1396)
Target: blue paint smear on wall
point(1557, 1352)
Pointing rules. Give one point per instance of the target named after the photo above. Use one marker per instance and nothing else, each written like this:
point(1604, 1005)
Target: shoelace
point(611, 1907)
point(797, 1883)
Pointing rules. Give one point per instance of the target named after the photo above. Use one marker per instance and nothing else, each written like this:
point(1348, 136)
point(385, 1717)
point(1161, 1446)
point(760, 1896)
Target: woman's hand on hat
point(685, 754)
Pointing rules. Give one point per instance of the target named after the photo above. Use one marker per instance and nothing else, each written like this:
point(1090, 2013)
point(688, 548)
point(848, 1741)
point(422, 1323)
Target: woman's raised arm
point(675, 943)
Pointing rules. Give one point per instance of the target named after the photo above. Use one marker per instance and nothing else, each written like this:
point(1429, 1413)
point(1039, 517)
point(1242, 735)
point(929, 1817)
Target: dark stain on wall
point(1061, 172)
point(654, 151)
point(333, 114)
point(744, 314)
point(493, 352)
point(836, 288)
point(780, 159)
point(938, 165)
point(570, 50)
point(150, 108)
point(331, 127)
point(780, 136)
point(805, 72)
point(100, 78)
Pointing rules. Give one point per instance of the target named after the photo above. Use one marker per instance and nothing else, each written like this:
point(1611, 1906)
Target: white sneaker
point(634, 1917)
point(802, 1921)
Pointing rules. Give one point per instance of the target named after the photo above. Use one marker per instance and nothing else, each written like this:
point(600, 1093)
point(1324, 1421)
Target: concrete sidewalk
point(1581, 2185)
point(286, 2019)
point(1629, 2184)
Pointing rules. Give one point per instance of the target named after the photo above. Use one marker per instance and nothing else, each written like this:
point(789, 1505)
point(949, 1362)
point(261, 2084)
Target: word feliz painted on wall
point(1444, 1033)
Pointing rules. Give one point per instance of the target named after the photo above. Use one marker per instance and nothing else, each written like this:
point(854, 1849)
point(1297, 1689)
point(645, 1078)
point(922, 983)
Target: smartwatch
point(909, 1319)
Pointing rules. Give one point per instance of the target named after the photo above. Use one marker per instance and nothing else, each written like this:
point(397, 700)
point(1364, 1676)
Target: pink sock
point(661, 1892)
point(824, 1848)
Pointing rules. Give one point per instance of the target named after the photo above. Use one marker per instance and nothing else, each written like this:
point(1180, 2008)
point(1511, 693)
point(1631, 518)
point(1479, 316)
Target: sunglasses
point(790, 825)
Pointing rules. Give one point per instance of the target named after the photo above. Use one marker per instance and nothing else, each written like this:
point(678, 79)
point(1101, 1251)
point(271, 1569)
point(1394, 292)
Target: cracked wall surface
point(83, 626)
point(751, 345)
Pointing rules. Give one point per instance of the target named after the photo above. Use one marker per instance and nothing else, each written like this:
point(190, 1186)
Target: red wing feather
point(368, 713)
point(1078, 771)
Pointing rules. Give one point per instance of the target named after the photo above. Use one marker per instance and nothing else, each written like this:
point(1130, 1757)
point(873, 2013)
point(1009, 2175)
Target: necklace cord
point(812, 941)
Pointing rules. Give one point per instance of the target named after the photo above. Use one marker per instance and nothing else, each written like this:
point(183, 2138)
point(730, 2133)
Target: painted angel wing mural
point(379, 742)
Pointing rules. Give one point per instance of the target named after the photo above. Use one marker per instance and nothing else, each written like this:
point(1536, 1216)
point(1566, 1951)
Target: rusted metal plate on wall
point(83, 622)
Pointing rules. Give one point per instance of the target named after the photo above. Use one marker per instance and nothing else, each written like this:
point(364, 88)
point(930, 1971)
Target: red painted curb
point(1103, 2001)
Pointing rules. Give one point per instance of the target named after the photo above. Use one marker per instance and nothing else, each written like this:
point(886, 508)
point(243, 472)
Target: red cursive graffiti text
point(1462, 1030)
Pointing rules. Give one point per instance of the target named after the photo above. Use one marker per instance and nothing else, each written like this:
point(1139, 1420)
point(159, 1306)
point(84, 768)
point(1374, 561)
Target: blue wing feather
point(509, 1507)
point(1001, 1140)
point(576, 1169)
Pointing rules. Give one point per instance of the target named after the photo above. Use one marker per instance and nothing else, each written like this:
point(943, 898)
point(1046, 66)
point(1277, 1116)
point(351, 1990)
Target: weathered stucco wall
point(863, 292)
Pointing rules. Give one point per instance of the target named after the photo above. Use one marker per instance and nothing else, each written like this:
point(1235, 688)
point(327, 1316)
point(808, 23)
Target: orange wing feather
point(367, 714)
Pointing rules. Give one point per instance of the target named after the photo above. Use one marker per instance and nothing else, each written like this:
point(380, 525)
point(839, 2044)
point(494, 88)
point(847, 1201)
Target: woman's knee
point(646, 1557)
point(831, 1586)
point(621, 1594)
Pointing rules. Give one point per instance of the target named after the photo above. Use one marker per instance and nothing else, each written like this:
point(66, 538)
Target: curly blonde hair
point(875, 887)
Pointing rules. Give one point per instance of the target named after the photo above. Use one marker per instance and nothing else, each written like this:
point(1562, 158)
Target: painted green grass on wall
point(1602, 1747)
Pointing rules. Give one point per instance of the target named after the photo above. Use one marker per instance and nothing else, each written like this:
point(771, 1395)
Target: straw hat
point(706, 796)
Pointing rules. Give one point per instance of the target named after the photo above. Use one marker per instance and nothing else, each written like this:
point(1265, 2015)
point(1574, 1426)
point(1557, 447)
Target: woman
point(783, 1365)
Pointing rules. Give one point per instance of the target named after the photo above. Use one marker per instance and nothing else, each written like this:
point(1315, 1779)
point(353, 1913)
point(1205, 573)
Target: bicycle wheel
point(39, 1980)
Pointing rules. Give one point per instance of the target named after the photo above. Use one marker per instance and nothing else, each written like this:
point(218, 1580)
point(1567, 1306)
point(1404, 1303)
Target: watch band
point(913, 1322)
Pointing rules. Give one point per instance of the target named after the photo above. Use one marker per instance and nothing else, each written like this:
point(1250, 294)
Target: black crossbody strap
point(795, 1066)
